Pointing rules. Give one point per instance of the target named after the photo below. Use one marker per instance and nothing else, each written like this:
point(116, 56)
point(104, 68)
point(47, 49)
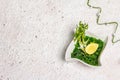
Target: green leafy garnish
point(79, 35)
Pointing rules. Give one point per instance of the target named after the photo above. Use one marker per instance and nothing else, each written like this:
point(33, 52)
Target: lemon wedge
point(91, 48)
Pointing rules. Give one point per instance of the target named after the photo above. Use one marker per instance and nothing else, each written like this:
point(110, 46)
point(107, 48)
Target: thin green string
point(104, 23)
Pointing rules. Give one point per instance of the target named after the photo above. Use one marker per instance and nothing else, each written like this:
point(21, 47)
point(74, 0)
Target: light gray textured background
point(34, 35)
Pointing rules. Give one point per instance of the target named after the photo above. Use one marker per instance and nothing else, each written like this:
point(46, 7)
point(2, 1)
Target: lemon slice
point(91, 48)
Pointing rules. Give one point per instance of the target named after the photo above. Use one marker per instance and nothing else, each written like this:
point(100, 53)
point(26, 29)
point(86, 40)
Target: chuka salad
point(87, 48)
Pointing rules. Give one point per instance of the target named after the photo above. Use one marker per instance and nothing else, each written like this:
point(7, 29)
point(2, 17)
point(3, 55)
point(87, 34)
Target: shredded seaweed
point(104, 23)
point(92, 59)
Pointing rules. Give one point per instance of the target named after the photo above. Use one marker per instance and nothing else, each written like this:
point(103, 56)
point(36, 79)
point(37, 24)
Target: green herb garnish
point(79, 35)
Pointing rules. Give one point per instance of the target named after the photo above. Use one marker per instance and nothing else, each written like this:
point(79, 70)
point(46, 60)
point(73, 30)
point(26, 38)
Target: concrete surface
point(34, 35)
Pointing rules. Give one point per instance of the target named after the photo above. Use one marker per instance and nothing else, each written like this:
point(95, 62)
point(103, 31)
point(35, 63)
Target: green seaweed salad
point(87, 48)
